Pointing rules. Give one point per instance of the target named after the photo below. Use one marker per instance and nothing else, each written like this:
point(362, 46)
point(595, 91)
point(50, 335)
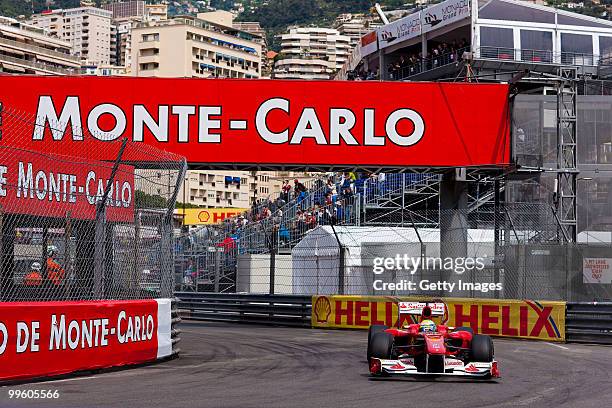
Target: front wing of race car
point(452, 367)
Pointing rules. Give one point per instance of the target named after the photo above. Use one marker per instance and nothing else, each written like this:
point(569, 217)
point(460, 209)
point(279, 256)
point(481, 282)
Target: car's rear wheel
point(482, 349)
point(381, 345)
point(376, 328)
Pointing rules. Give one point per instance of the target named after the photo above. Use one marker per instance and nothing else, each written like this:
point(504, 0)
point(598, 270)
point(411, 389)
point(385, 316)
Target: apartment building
point(195, 47)
point(255, 28)
point(26, 49)
point(355, 26)
point(156, 12)
point(233, 189)
point(216, 189)
point(87, 29)
point(126, 9)
point(311, 53)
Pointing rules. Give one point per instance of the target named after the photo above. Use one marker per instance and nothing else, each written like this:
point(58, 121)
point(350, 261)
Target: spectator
point(286, 189)
point(299, 191)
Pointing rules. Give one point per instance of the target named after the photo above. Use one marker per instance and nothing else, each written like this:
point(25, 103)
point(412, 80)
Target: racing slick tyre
point(467, 329)
point(381, 346)
point(482, 349)
point(376, 328)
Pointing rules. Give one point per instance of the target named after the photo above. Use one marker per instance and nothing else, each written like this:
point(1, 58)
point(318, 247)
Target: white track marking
point(558, 345)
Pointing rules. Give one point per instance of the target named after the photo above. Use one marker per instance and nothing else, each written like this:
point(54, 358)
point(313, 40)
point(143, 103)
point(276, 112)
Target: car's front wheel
point(482, 349)
point(381, 346)
point(374, 329)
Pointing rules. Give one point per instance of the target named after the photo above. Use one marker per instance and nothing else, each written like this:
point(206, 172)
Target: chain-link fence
point(515, 251)
point(83, 216)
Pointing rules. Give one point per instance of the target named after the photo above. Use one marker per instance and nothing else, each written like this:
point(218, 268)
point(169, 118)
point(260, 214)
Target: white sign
point(399, 30)
point(444, 13)
point(597, 270)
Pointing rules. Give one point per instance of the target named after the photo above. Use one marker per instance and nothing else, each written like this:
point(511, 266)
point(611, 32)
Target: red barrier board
point(51, 185)
point(39, 339)
point(242, 122)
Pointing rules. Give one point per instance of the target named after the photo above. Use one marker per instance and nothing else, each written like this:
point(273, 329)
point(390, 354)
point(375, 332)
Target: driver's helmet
point(427, 326)
point(36, 266)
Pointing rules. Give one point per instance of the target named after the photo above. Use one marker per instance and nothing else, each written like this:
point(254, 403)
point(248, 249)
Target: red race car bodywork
point(446, 351)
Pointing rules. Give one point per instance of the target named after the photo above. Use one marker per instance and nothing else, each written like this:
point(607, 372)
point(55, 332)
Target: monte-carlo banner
point(244, 122)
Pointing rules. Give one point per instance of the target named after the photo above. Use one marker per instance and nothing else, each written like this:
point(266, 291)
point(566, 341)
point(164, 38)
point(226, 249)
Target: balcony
point(497, 58)
point(38, 66)
point(537, 60)
point(39, 50)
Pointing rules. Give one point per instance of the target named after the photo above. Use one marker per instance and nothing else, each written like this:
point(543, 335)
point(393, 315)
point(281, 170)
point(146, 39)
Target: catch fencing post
point(100, 230)
point(341, 262)
point(167, 239)
point(68, 266)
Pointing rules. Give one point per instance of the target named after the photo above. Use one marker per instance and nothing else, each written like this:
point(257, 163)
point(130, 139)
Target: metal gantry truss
point(565, 200)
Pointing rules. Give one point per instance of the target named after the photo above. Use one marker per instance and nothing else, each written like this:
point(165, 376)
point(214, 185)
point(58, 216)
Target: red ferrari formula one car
point(425, 348)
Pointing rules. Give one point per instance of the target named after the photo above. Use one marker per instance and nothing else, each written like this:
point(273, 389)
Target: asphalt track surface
point(231, 365)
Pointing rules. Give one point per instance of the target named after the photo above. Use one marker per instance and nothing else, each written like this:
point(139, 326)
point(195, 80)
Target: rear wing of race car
point(416, 308)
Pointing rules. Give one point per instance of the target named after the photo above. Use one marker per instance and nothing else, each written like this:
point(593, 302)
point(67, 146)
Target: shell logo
point(203, 216)
point(322, 309)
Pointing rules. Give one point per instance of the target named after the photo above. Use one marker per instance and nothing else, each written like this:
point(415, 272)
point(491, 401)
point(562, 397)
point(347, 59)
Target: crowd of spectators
point(437, 56)
point(329, 200)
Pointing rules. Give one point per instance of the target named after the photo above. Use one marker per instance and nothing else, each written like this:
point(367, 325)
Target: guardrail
point(589, 322)
point(175, 332)
point(285, 310)
point(586, 322)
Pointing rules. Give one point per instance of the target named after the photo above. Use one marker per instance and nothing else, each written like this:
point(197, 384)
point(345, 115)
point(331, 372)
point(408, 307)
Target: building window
point(576, 49)
point(605, 47)
point(536, 46)
point(150, 37)
point(497, 43)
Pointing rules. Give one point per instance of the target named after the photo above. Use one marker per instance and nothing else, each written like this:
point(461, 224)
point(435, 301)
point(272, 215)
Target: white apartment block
point(355, 26)
point(237, 189)
point(254, 27)
point(192, 47)
point(87, 29)
point(25, 49)
point(216, 189)
point(156, 12)
point(311, 53)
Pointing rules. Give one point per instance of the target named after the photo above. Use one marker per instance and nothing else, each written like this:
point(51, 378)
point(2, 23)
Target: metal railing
point(589, 322)
point(40, 50)
point(586, 322)
point(537, 56)
point(175, 331)
point(428, 64)
point(38, 65)
point(285, 310)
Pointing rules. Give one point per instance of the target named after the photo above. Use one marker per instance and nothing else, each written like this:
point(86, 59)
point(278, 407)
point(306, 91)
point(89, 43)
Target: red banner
point(51, 185)
point(39, 339)
point(244, 122)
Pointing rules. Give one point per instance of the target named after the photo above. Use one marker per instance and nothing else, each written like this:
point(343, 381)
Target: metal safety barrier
point(284, 310)
point(589, 322)
point(175, 331)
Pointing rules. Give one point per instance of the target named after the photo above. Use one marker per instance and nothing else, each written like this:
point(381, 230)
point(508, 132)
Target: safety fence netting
point(515, 251)
point(84, 215)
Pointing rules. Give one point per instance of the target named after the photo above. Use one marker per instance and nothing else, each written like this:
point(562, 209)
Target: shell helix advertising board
point(207, 216)
point(529, 319)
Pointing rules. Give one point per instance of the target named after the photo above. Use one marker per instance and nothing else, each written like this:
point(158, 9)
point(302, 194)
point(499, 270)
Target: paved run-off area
point(230, 365)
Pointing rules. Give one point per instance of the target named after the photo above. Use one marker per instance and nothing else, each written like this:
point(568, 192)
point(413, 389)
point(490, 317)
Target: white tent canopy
point(316, 258)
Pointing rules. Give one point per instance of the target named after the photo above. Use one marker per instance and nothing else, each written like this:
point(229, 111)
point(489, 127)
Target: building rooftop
point(206, 25)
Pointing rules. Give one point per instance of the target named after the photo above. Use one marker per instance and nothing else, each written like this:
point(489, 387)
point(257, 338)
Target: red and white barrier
point(40, 339)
